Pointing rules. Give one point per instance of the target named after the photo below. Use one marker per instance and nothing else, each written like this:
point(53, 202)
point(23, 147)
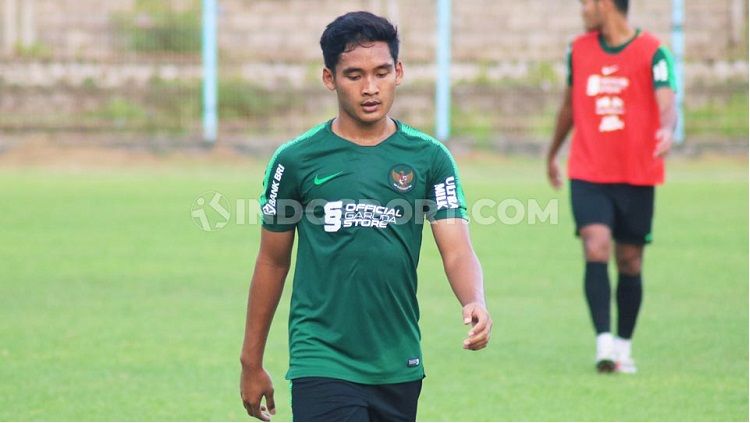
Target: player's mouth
point(370, 106)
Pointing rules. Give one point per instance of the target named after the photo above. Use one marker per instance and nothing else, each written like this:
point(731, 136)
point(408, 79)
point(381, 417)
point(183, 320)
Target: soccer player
point(620, 100)
point(356, 190)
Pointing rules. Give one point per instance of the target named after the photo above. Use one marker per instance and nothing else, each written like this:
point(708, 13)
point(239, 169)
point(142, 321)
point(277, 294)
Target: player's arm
point(271, 268)
point(563, 125)
point(465, 276)
point(665, 98)
point(665, 87)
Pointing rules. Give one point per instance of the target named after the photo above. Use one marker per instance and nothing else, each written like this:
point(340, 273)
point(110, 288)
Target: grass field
point(114, 305)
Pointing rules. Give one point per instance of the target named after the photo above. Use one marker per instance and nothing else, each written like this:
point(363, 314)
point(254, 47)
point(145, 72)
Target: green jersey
point(359, 214)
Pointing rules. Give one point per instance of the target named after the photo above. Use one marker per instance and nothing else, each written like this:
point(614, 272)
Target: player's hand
point(553, 173)
point(254, 385)
point(663, 142)
point(477, 315)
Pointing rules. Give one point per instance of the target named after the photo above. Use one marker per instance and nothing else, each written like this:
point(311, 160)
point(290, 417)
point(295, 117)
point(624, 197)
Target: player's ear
point(399, 72)
point(329, 79)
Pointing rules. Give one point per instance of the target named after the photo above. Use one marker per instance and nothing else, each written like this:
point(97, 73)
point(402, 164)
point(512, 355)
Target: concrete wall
point(484, 30)
point(79, 76)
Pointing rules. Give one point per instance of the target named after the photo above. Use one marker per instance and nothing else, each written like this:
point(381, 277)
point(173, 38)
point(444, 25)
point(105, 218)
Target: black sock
point(629, 296)
point(598, 294)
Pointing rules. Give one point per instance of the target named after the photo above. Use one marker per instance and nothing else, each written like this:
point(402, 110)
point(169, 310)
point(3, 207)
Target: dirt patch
point(41, 151)
point(76, 152)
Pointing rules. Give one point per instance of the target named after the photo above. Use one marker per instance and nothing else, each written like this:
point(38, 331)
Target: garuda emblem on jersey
point(401, 178)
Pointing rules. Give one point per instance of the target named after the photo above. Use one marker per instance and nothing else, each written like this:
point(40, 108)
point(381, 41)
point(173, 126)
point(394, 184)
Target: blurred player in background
point(363, 180)
point(621, 101)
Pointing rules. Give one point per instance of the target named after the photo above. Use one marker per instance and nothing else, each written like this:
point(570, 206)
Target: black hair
point(622, 6)
point(356, 29)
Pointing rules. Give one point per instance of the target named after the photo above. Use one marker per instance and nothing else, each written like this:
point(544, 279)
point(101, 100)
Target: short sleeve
point(445, 193)
point(662, 66)
point(279, 200)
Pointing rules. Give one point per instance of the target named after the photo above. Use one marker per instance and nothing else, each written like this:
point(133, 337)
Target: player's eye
point(382, 74)
point(353, 77)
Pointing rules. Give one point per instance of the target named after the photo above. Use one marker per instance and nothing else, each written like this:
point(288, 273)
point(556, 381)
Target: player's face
point(591, 13)
point(365, 82)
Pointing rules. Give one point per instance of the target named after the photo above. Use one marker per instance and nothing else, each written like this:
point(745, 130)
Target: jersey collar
point(621, 47)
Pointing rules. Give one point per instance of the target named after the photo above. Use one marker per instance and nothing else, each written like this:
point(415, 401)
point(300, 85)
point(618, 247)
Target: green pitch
point(115, 305)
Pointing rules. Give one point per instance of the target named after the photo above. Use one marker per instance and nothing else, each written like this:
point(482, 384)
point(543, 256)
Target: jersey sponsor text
point(270, 207)
point(445, 194)
point(366, 215)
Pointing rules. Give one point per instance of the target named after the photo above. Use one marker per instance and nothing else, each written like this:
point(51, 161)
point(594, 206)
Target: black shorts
point(334, 400)
point(627, 209)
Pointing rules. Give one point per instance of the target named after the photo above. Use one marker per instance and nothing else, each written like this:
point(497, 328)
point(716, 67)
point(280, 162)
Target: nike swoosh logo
point(609, 70)
point(323, 180)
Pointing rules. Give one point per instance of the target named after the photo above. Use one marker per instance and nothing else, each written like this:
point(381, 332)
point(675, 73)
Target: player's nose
point(371, 86)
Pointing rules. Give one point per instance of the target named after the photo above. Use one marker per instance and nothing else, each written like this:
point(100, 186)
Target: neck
point(616, 30)
point(363, 133)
